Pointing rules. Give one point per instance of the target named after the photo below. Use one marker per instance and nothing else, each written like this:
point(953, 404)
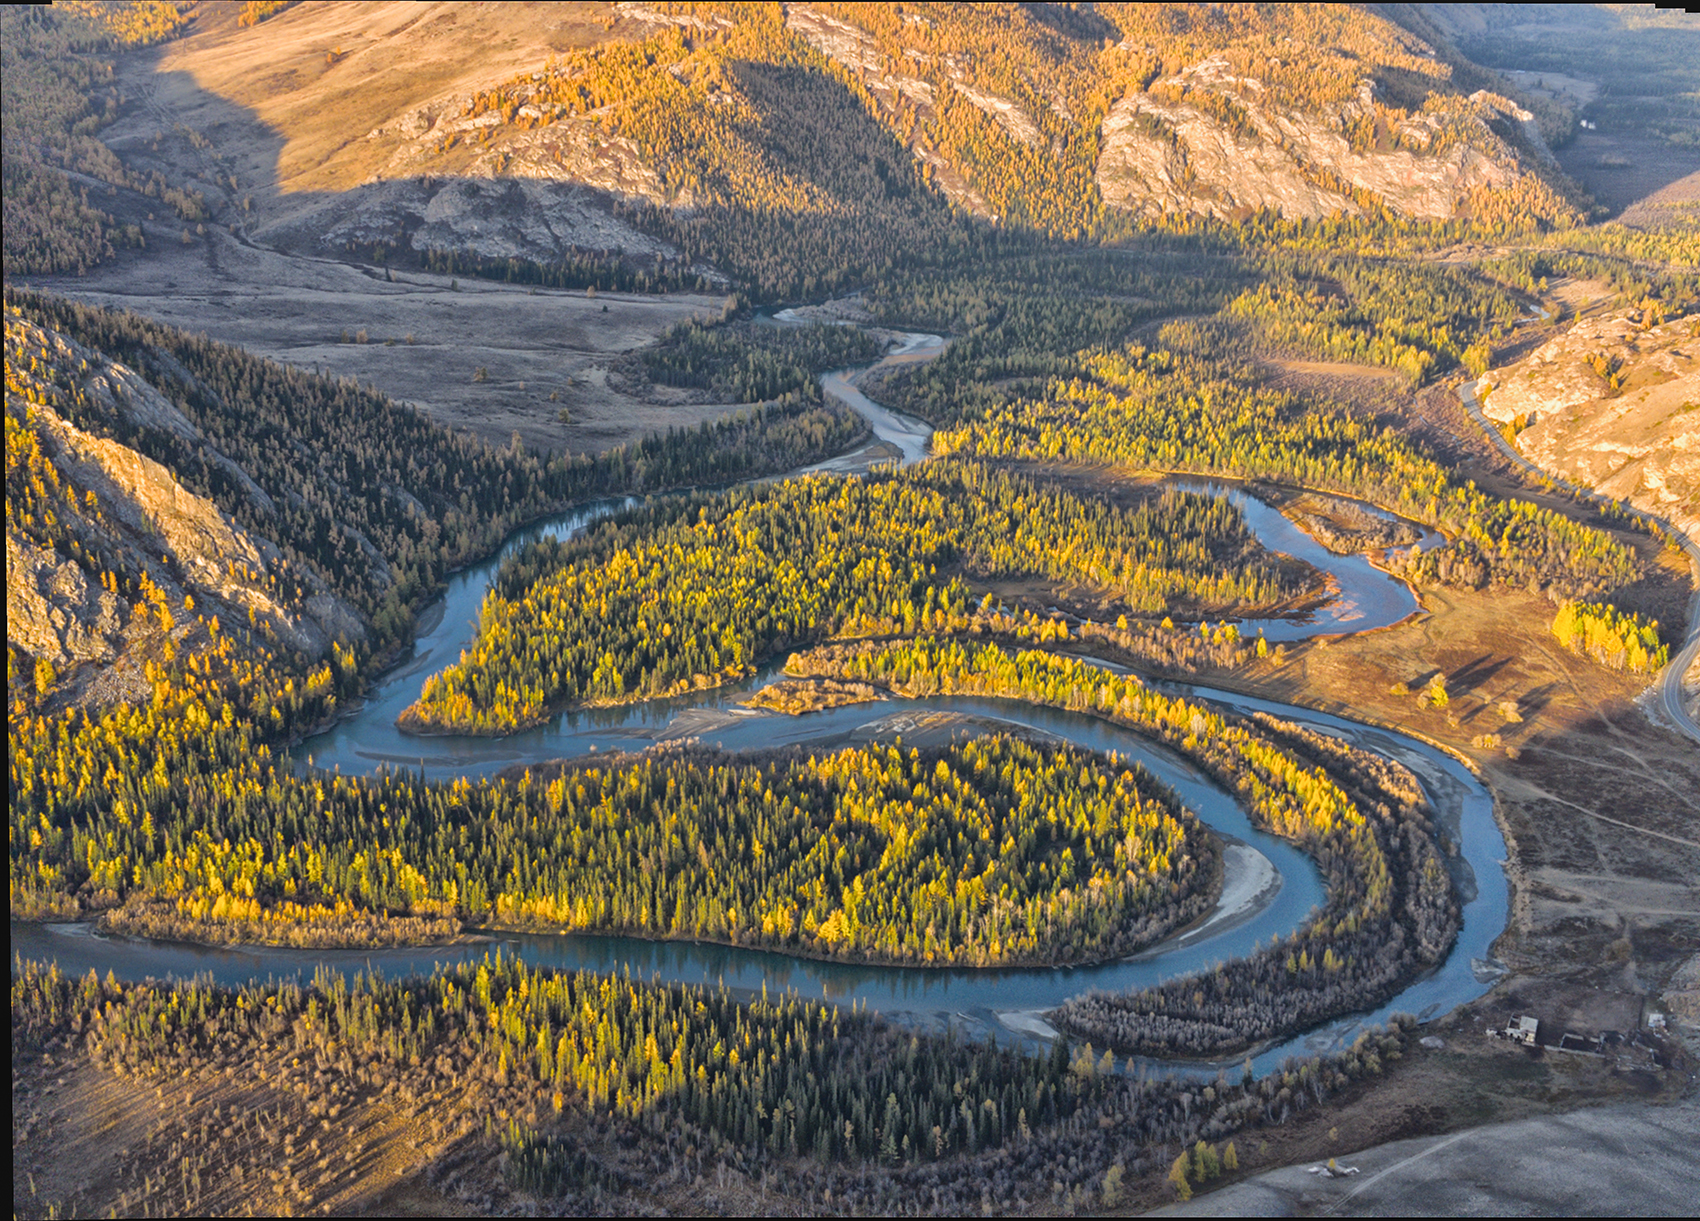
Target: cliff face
point(1615, 405)
point(120, 550)
point(1223, 137)
point(54, 611)
point(1164, 152)
point(485, 129)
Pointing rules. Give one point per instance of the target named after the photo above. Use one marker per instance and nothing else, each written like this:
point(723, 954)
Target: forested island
point(684, 597)
point(1390, 908)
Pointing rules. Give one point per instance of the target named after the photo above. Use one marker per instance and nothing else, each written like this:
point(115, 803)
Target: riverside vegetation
point(172, 813)
point(994, 852)
point(687, 594)
point(365, 491)
point(749, 363)
point(1080, 336)
point(1170, 410)
point(174, 808)
point(606, 1094)
point(179, 799)
point(1390, 908)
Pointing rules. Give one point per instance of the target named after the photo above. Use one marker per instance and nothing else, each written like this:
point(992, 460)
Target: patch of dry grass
point(795, 696)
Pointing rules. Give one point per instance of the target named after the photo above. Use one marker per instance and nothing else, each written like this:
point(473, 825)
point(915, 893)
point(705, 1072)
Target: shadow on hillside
point(292, 276)
point(201, 141)
point(1619, 170)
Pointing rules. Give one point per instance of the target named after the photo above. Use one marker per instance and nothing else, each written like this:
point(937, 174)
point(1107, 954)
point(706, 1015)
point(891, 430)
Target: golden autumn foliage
point(693, 594)
point(1390, 909)
point(1622, 641)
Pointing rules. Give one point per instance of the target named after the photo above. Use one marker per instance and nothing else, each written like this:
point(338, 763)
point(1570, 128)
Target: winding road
point(1670, 694)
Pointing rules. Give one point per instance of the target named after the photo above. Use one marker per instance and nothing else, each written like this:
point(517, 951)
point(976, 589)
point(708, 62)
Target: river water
point(1360, 595)
point(1270, 887)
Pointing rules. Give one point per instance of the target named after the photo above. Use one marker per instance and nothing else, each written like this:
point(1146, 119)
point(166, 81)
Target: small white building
point(1523, 1030)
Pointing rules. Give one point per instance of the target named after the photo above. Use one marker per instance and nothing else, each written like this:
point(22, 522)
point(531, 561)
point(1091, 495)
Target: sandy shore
point(1250, 883)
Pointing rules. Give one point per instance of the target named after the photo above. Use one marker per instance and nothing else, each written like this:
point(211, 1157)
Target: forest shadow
point(332, 281)
point(233, 158)
point(1474, 674)
point(1620, 168)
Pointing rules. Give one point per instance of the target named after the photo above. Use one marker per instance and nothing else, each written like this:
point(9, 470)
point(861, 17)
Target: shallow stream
point(1269, 888)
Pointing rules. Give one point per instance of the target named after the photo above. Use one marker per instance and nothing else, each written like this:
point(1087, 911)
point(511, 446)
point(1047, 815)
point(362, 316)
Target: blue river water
point(1270, 887)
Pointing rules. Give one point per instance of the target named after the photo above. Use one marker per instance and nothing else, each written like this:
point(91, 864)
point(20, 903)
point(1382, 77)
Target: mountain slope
point(1217, 110)
point(1613, 404)
point(800, 147)
point(108, 554)
point(165, 494)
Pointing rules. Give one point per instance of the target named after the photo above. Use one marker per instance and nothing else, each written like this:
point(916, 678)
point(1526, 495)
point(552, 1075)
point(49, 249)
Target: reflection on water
point(1363, 596)
point(966, 999)
point(368, 741)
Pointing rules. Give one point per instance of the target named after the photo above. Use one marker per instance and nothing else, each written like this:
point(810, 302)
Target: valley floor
point(1609, 1161)
point(472, 354)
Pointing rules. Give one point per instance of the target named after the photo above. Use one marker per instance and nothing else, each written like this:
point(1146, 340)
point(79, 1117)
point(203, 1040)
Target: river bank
point(1286, 886)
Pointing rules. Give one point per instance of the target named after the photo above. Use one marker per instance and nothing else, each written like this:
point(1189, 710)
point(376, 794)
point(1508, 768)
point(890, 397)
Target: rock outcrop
point(123, 392)
point(481, 129)
point(137, 527)
point(1164, 152)
point(53, 610)
point(1612, 404)
point(531, 210)
point(143, 513)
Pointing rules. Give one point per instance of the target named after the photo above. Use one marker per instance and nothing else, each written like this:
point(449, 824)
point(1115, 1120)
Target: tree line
point(1621, 640)
point(768, 158)
point(60, 92)
point(601, 1090)
point(752, 363)
point(1390, 912)
point(365, 491)
point(689, 593)
point(1167, 410)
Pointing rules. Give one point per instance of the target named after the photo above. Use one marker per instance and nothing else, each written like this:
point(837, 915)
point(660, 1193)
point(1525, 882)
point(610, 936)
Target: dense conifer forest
point(600, 1090)
point(1171, 410)
point(59, 93)
point(992, 853)
point(943, 172)
point(754, 364)
point(686, 595)
point(367, 492)
point(1391, 908)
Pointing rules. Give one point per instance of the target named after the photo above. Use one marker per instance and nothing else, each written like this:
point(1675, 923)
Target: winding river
point(1269, 886)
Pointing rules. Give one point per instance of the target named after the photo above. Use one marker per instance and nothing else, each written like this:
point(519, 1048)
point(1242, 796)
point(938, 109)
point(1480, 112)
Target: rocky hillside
point(1614, 404)
point(169, 497)
point(1209, 140)
point(334, 124)
point(685, 133)
point(109, 555)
